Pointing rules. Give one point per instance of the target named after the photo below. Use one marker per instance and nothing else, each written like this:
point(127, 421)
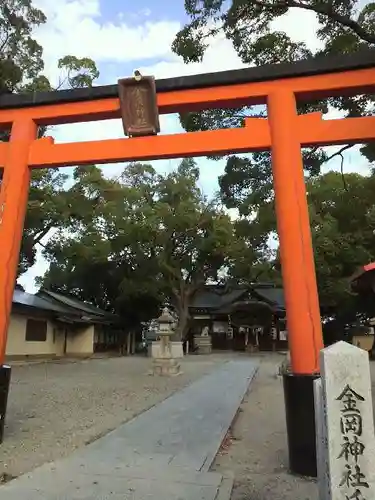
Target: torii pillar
point(299, 281)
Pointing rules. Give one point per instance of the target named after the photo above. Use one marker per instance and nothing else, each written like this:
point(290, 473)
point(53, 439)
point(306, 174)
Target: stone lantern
point(165, 331)
point(165, 363)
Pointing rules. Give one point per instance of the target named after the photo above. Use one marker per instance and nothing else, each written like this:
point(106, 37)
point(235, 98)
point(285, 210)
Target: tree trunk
point(128, 341)
point(132, 343)
point(183, 297)
point(183, 321)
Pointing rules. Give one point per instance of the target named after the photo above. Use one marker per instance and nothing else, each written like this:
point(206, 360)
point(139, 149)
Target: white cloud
point(145, 12)
point(75, 28)
point(301, 25)
point(113, 43)
point(219, 56)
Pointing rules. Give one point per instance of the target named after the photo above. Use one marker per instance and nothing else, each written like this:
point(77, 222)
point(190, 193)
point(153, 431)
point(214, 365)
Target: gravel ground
point(57, 407)
point(255, 450)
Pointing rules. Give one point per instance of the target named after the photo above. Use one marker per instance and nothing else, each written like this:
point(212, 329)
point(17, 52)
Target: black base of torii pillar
point(300, 423)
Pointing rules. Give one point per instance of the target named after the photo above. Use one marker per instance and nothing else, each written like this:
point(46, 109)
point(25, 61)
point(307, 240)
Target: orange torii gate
point(284, 132)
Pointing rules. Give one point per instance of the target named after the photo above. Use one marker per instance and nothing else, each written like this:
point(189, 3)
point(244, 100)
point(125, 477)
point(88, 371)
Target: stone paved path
point(165, 452)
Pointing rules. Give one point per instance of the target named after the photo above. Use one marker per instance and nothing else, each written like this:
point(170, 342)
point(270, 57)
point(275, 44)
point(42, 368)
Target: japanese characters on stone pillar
point(321, 441)
point(345, 425)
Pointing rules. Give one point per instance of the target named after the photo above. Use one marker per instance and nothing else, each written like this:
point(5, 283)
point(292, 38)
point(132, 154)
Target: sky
point(121, 36)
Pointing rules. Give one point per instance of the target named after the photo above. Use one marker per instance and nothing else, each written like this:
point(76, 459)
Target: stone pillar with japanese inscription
point(345, 425)
point(322, 465)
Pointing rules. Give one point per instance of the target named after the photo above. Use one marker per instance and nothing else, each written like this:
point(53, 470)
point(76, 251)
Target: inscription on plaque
point(139, 110)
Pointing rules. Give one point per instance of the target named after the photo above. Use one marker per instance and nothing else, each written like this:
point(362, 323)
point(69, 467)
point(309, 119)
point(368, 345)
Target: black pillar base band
point(5, 372)
point(300, 423)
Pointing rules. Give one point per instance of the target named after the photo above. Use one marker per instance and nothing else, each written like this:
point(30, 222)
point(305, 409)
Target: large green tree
point(342, 215)
point(143, 239)
point(96, 256)
point(21, 56)
point(21, 70)
point(343, 232)
point(194, 238)
point(345, 26)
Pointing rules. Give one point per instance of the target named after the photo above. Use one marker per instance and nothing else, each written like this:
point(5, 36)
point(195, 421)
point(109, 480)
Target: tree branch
point(342, 172)
point(3, 44)
point(326, 10)
point(39, 236)
point(339, 153)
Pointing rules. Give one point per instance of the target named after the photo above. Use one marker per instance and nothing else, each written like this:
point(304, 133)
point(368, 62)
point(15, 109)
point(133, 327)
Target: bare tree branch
point(339, 153)
point(325, 9)
point(39, 236)
point(3, 44)
point(342, 172)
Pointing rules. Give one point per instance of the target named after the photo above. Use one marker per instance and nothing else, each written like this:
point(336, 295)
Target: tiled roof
point(62, 307)
point(215, 297)
point(220, 297)
point(273, 295)
point(29, 300)
point(72, 303)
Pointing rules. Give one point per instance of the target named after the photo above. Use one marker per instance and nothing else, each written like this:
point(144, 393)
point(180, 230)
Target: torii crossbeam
point(283, 132)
